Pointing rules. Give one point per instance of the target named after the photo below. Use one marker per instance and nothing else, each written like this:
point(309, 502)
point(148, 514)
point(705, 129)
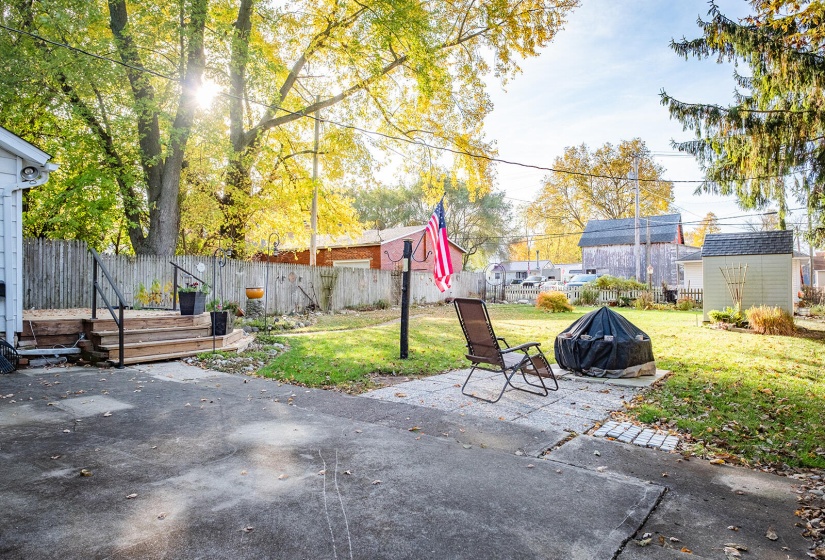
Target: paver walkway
point(576, 407)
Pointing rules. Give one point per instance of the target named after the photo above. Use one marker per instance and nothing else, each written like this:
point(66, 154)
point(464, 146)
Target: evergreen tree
point(768, 145)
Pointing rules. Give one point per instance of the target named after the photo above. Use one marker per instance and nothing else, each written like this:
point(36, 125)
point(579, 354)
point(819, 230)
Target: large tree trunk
point(162, 169)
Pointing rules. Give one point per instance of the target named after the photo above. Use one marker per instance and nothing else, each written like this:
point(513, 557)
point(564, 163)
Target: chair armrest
point(521, 347)
point(504, 341)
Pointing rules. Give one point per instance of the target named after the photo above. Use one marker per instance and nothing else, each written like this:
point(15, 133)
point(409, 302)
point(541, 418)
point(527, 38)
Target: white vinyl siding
point(767, 282)
point(8, 176)
point(692, 275)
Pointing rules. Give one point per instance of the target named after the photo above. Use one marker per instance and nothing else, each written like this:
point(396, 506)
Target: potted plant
point(192, 298)
point(222, 314)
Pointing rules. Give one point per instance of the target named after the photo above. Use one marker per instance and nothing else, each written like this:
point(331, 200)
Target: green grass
point(758, 398)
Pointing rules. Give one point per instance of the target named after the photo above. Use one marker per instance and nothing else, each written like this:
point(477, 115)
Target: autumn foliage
point(770, 320)
point(553, 302)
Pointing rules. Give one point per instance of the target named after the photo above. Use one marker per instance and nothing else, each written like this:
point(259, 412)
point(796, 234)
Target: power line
point(412, 141)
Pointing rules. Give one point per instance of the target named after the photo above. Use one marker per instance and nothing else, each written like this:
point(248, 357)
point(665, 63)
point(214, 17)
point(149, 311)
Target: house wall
point(796, 279)
point(8, 178)
point(620, 260)
point(324, 257)
point(768, 281)
point(378, 259)
point(692, 275)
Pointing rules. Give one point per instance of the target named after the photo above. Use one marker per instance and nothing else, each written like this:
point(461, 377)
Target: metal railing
point(176, 268)
point(98, 265)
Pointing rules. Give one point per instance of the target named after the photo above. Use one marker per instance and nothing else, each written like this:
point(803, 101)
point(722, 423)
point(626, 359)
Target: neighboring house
point(378, 249)
point(691, 277)
point(22, 166)
point(819, 269)
point(774, 273)
point(519, 270)
point(608, 247)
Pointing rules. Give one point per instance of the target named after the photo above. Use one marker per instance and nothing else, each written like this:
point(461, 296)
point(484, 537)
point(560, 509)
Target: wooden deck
point(149, 335)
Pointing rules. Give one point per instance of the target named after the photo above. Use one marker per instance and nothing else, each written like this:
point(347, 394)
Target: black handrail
point(121, 302)
point(175, 283)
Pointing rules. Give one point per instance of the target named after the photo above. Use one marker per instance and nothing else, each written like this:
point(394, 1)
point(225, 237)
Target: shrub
point(729, 316)
point(685, 304)
point(644, 301)
point(588, 295)
point(553, 302)
point(608, 282)
point(818, 310)
point(770, 320)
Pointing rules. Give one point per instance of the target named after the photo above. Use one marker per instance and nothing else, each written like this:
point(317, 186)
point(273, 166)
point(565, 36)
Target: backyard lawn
point(758, 398)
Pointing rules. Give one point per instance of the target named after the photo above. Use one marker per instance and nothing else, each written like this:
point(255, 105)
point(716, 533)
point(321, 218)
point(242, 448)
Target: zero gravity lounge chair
point(485, 352)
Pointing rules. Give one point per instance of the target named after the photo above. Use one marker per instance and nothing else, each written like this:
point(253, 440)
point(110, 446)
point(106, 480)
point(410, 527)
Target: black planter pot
point(192, 303)
point(220, 322)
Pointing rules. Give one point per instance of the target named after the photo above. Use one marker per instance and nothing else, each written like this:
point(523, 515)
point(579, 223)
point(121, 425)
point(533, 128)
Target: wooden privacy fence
point(58, 275)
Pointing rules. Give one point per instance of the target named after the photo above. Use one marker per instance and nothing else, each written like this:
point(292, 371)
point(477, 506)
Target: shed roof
point(778, 242)
point(663, 229)
point(695, 256)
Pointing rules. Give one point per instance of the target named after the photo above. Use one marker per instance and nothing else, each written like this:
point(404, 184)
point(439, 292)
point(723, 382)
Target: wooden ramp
point(148, 335)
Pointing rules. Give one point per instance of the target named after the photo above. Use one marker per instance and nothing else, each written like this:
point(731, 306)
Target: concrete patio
point(170, 461)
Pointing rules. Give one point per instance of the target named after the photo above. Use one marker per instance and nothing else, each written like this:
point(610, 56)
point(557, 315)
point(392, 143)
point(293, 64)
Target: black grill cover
point(585, 350)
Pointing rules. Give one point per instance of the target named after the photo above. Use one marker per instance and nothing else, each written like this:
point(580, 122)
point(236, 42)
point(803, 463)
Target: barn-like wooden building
point(608, 247)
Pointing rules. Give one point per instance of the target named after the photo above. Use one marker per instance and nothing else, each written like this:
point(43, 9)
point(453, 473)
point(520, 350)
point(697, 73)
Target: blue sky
point(599, 81)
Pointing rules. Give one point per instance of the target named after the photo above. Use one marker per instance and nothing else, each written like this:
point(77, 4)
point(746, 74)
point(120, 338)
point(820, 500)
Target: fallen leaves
point(771, 534)
point(248, 529)
point(283, 476)
point(85, 472)
point(107, 414)
point(717, 462)
point(162, 515)
point(131, 496)
point(375, 482)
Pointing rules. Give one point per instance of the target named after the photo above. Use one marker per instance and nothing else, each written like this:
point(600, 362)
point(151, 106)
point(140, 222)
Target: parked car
point(580, 280)
point(532, 281)
point(516, 281)
point(552, 286)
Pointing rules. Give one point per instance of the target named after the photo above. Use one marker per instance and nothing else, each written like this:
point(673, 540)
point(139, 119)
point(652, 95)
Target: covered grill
point(605, 344)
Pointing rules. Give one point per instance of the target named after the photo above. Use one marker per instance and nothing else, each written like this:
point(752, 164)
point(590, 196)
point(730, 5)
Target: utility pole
point(637, 250)
point(527, 237)
point(313, 240)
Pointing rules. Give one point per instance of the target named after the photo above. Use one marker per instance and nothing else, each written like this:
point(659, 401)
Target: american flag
point(443, 264)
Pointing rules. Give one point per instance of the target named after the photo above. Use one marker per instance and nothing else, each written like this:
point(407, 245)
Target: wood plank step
point(239, 346)
point(197, 345)
point(48, 351)
point(137, 323)
point(110, 338)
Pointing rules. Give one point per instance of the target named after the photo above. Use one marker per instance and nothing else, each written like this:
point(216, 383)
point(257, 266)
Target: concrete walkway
point(170, 461)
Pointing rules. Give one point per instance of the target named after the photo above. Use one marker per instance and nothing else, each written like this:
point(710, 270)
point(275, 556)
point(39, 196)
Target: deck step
point(163, 347)
point(238, 346)
point(48, 351)
point(138, 323)
point(110, 338)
